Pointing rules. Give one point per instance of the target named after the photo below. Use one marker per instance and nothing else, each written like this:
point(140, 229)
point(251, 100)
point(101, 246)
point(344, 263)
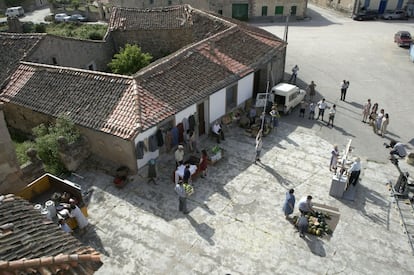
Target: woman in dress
point(384, 124)
point(334, 158)
point(289, 204)
point(203, 163)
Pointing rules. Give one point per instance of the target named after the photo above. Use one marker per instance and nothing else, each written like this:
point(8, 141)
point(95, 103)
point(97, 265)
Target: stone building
point(241, 9)
point(208, 66)
point(353, 6)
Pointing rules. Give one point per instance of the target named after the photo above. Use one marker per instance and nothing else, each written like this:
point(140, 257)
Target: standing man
point(332, 113)
point(343, 90)
point(259, 145)
point(295, 70)
point(353, 172)
point(312, 107)
point(217, 131)
point(179, 155)
point(312, 91)
point(366, 111)
point(182, 197)
point(322, 105)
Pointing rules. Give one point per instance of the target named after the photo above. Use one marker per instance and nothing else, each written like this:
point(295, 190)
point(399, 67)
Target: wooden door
point(201, 119)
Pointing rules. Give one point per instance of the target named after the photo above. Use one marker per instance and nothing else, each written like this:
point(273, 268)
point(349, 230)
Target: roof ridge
point(182, 52)
point(33, 64)
point(60, 259)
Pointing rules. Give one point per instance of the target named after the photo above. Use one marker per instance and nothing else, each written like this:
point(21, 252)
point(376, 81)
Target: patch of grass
point(74, 30)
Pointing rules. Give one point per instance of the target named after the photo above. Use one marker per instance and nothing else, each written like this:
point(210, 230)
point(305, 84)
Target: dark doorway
point(256, 83)
point(240, 12)
point(201, 120)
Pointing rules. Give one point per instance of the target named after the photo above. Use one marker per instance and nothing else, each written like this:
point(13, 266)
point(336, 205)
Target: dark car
point(365, 15)
point(403, 38)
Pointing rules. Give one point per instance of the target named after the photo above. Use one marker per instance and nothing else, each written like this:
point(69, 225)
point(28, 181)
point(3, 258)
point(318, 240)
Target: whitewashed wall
point(147, 155)
point(217, 105)
point(245, 89)
point(185, 113)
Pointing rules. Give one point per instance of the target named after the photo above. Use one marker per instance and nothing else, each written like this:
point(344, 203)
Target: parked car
point(287, 96)
point(397, 14)
point(15, 12)
point(403, 38)
point(60, 17)
point(365, 15)
point(76, 18)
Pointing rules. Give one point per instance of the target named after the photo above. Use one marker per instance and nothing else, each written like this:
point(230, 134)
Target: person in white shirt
point(353, 172)
point(305, 205)
point(322, 105)
point(332, 113)
point(397, 148)
point(217, 131)
point(312, 111)
point(76, 213)
point(294, 75)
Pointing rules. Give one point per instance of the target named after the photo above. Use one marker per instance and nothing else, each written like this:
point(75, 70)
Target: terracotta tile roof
point(100, 101)
point(173, 17)
point(31, 244)
point(195, 72)
point(222, 53)
point(13, 48)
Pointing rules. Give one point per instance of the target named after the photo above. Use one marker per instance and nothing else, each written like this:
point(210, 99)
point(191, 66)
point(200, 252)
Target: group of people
point(305, 207)
point(69, 209)
point(183, 183)
point(379, 120)
point(322, 106)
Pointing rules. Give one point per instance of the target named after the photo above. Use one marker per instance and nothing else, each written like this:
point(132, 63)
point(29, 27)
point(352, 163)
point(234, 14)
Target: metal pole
point(264, 108)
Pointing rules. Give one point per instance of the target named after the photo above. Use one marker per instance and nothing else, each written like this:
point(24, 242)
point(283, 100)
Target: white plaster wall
point(217, 105)
point(245, 89)
point(185, 113)
point(147, 155)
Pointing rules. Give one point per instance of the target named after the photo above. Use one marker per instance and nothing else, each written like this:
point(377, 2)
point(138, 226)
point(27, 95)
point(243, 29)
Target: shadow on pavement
point(315, 245)
point(366, 196)
point(203, 230)
point(91, 238)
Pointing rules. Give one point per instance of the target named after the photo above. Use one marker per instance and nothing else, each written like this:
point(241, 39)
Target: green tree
point(129, 60)
point(46, 142)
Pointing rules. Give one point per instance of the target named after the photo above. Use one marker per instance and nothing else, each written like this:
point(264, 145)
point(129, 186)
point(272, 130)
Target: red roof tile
point(222, 53)
point(35, 246)
point(13, 48)
point(105, 102)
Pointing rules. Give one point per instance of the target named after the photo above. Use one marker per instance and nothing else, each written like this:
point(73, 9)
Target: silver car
point(397, 14)
point(60, 17)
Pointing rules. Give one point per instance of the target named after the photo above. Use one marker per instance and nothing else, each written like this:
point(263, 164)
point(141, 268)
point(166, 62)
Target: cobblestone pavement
point(236, 225)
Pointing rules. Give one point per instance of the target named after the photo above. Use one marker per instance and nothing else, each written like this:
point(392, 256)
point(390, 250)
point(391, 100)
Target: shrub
point(40, 28)
point(95, 35)
point(28, 27)
point(129, 60)
point(46, 142)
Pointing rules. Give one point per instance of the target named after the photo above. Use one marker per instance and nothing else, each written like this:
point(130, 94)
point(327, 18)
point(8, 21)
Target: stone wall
point(346, 6)
point(158, 43)
point(74, 53)
point(103, 146)
point(9, 167)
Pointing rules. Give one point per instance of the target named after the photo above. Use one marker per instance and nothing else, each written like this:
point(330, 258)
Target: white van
point(14, 11)
point(287, 96)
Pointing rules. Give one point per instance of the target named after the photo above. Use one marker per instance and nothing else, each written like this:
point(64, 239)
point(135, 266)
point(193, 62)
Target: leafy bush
point(94, 35)
point(40, 28)
point(46, 144)
point(49, 18)
point(129, 60)
point(28, 27)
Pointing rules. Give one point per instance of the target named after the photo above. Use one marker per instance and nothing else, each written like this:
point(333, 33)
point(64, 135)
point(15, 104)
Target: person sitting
point(305, 205)
point(397, 148)
point(218, 131)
